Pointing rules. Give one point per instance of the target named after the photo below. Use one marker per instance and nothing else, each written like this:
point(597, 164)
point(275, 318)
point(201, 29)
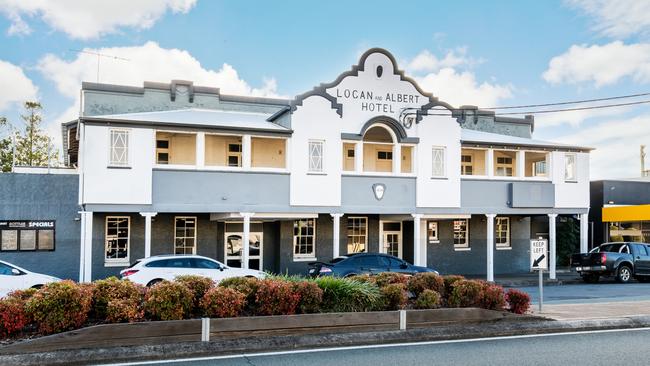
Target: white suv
point(14, 278)
point(149, 271)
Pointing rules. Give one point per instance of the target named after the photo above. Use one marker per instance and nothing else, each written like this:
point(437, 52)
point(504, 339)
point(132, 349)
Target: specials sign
point(371, 101)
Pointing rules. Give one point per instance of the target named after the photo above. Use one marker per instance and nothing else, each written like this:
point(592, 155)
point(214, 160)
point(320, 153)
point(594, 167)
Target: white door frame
point(226, 234)
point(382, 233)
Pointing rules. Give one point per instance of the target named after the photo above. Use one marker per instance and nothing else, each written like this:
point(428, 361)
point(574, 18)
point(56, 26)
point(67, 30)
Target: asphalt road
point(619, 347)
point(588, 293)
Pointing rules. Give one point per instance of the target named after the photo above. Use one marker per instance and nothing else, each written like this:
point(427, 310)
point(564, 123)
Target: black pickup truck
point(622, 260)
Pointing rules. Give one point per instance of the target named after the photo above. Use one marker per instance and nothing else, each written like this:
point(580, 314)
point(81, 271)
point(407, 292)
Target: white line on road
point(371, 346)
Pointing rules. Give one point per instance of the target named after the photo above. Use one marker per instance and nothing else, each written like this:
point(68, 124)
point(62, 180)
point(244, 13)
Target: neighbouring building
point(620, 210)
point(368, 162)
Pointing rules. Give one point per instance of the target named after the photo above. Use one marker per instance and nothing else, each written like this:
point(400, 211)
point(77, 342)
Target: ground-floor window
point(502, 232)
point(185, 235)
point(118, 229)
point(461, 234)
point(638, 231)
point(304, 238)
point(357, 234)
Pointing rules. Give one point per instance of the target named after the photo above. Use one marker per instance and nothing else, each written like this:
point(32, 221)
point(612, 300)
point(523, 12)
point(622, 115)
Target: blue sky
point(465, 52)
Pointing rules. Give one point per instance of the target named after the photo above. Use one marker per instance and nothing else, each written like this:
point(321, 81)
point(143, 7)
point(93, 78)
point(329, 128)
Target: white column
point(417, 253)
point(86, 241)
point(246, 151)
point(397, 158)
point(490, 247)
point(336, 232)
point(489, 163)
point(358, 157)
point(246, 238)
point(552, 245)
point(200, 149)
point(584, 232)
point(147, 232)
point(521, 164)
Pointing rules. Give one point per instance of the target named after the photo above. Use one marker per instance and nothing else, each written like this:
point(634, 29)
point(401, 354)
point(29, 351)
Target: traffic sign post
point(539, 262)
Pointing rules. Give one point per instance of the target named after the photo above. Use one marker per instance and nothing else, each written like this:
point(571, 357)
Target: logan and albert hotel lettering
point(372, 102)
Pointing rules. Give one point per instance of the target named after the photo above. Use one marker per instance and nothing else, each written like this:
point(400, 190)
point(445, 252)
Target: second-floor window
point(438, 162)
point(119, 148)
point(570, 169)
point(466, 167)
point(316, 156)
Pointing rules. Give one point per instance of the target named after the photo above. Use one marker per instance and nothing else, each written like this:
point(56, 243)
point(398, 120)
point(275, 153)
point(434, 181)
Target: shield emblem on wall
point(379, 189)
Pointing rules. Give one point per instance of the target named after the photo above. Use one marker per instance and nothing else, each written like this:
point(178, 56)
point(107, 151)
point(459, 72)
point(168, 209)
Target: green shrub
point(198, 285)
point(247, 286)
point(222, 302)
point(347, 295)
point(276, 297)
point(168, 301)
point(311, 297)
point(60, 306)
point(426, 281)
point(450, 281)
point(387, 278)
point(395, 296)
point(466, 293)
point(492, 297)
point(13, 317)
point(518, 301)
point(428, 299)
point(122, 291)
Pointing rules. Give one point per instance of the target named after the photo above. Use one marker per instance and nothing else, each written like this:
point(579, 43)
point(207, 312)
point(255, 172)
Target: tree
point(568, 239)
point(33, 146)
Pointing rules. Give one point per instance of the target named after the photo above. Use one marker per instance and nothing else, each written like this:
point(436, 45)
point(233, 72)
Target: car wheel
point(591, 278)
point(153, 282)
point(623, 274)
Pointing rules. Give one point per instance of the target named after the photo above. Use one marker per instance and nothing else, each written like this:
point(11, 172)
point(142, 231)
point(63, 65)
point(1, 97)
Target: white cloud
point(426, 61)
point(461, 88)
point(617, 18)
point(90, 19)
point(602, 65)
point(617, 145)
point(148, 62)
point(19, 88)
point(576, 118)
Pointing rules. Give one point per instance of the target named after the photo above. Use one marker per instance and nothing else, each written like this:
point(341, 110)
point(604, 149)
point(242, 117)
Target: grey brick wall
point(44, 197)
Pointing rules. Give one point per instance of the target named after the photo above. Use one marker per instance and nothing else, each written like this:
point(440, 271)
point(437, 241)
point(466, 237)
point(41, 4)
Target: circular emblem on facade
point(379, 189)
point(380, 70)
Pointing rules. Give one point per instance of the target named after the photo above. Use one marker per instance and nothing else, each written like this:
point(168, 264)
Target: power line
point(571, 102)
point(99, 55)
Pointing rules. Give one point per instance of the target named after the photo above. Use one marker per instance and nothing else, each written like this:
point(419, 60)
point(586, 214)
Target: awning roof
point(197, 117)
point(486, 138)
point(626, 213)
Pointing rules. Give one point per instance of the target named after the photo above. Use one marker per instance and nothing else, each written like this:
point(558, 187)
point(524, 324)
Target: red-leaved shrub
point(311, 297)
point(123, 293)
point(492, 297)
point(60, 306)
point(450, 281)
point(12, 316)
point(222, 302)
point(276, 297)
point(199, 285)
point(124, 310)
point(426, 281)
point(466, 293)
point(387, 278)
point(168, 301)
point(395, 296)
point(518, 301)
point(428, 299)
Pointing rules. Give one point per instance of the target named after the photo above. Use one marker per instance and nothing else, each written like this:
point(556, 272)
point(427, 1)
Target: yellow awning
point(626, 213)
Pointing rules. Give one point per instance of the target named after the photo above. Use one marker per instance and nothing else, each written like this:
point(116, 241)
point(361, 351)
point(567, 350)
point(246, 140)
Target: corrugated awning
point(626, 213)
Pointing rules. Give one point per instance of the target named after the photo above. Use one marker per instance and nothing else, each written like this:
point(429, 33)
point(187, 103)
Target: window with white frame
point(304, 238)
point(119, 148)
point(316, 156)
point(570, 168)
point(461, 233)
point(357, 234)
point(502, 232)
point(117, 239)
point(438, 162)
point(185, 235)
point(466, 166)
point(432, 232)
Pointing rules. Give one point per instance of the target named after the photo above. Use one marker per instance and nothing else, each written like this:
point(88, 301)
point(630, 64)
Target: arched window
point(378, 149)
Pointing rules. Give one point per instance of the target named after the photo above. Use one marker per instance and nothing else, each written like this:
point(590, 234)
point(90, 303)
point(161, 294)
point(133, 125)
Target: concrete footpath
point(594, 311)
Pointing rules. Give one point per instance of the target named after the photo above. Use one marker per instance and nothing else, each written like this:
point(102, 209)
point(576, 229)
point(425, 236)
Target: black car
point(622, 260)
point(364, 263)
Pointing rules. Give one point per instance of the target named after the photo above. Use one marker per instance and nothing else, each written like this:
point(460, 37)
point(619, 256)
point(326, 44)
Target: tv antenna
point(99, 56)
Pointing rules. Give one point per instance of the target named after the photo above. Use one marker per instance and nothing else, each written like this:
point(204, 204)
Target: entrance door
point(234, 248)
point(392, 238)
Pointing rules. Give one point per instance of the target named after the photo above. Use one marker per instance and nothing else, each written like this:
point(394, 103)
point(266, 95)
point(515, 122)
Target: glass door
point(233, 246)
point(392, 238)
